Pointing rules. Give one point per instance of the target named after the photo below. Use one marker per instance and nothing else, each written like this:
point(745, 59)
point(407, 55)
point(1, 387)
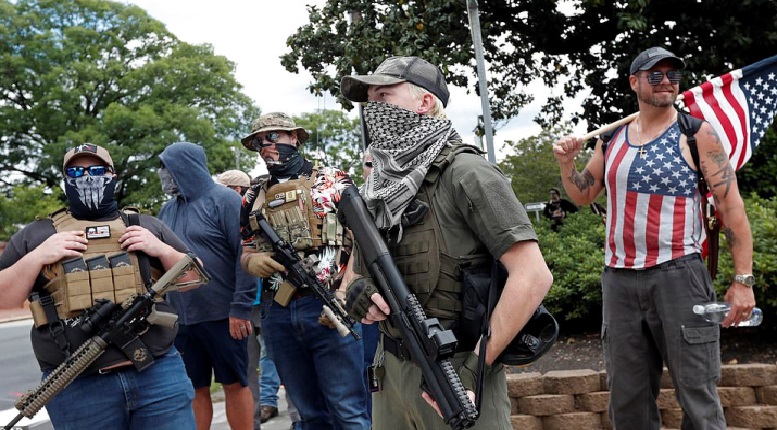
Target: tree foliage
point(335, 140)
point(24, 204)
point(573, 44)
point(75, 71)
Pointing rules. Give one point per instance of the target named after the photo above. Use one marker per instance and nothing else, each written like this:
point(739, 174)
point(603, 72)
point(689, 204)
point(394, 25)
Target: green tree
point(575, 45)
point(74, 71)
point(335, 140)
point(23, 204)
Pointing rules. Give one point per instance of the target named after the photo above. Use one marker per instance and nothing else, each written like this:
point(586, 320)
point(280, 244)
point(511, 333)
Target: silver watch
point(747, 279)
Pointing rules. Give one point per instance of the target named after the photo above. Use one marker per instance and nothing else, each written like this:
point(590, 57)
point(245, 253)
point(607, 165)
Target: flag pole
point(477, 42)
point(618, 123)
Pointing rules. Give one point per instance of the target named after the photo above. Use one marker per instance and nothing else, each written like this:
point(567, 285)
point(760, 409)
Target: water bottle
point(716, 312)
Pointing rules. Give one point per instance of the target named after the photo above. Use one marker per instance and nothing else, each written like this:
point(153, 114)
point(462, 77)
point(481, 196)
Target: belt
point(115, 368)
point(665, 265)
point(396, 347)
point(302, 292)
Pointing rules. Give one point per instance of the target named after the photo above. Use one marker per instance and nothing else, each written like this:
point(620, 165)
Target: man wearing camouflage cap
point(444, 208)
point(320, 368)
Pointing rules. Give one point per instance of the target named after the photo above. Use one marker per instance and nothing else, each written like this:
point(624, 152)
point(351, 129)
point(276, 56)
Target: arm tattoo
point(582, 180)
point(724, 176)
point(731, 238)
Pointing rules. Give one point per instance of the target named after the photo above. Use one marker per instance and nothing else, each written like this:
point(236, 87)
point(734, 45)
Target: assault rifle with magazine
point(302, 277)
point(118, 325)
point(431, 347)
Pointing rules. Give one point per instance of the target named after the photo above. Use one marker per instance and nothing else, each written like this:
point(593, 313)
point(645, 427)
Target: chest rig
point(289, 209)
point(104, 272)
point(428, 267)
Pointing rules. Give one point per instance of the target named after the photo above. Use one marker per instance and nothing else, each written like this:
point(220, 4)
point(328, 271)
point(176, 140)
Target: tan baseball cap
point(234, 178)
point(274, 121)
point(88, 149)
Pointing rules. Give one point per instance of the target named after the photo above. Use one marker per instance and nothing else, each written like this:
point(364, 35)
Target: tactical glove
point(468, 372)
point(358, 300)
point(261, 264)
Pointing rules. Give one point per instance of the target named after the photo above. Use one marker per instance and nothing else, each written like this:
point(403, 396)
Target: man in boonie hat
point(277, 138)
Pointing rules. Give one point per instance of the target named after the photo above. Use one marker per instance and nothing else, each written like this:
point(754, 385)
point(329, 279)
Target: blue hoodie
point(206, 216)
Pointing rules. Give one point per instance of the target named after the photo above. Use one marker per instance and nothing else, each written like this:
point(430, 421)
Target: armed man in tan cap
point(321, 369)
point(56, 261)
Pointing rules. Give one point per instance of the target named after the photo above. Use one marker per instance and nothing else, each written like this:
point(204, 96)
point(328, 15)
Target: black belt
point(396, 347)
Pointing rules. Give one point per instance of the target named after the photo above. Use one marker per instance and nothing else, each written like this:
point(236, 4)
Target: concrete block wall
point(578, 399)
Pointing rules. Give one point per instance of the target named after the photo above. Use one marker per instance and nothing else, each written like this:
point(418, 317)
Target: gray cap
point(394, 70)
point(234, 178)
point(649, 57)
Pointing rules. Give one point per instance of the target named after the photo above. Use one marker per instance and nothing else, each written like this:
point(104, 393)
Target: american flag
point(739, 105)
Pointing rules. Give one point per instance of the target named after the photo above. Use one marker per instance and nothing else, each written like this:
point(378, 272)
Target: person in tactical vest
point(443, 208)
point(215, 320)
point(55, 262)
point(320, 368)
point(654, 273)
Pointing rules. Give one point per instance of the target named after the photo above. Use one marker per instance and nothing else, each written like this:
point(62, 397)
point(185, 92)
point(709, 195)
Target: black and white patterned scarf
point(403, 146)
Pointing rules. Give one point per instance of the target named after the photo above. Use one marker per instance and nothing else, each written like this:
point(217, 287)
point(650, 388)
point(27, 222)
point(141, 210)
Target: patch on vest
point(98, 232)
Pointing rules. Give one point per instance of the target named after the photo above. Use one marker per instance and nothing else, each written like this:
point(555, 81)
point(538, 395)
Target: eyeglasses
point(368, 164)
point(257, 143)
point(655, 78)
point(78, 171)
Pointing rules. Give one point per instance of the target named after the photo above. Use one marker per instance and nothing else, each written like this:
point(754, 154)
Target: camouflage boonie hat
point(394, 70)
point(274, 121)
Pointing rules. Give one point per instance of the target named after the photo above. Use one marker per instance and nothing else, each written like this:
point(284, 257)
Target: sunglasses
point(655, 78)
point(78, 171)
point(257, 143)
point(368, 164)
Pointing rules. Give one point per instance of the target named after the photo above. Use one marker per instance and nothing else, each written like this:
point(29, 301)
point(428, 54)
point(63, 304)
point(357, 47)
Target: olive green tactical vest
point(76, 288)
point(429, 268)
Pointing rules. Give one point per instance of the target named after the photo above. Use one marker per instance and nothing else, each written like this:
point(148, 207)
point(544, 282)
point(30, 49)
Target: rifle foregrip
point(32, 402)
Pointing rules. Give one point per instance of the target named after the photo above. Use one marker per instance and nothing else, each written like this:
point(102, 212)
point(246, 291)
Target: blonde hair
point(438, 110)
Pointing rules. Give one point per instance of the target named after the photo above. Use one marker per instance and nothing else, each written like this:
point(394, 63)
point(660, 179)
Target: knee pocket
point(699, 355)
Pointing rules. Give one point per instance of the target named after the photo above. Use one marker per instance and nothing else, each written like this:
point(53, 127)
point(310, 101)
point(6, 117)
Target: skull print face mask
point(91, 197)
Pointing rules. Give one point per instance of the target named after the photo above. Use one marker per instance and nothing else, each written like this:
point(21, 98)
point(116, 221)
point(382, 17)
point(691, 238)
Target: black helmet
point(533, 341)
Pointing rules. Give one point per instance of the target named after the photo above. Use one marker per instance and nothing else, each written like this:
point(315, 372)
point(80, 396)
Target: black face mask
point(91, 197)
point(289, 162)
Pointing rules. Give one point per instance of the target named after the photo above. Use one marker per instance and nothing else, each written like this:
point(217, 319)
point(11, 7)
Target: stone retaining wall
point(578, 399)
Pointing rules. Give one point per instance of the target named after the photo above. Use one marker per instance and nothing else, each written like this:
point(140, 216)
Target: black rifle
point(430, 346)
point(115, 325)
point(300, 277)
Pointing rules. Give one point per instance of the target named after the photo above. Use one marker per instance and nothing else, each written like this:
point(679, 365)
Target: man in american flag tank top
point(654, 272)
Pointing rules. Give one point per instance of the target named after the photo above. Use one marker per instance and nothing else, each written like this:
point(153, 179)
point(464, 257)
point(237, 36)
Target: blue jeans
point(317, 365)
point(269, 381)
point(159, 397)
point(370, 339)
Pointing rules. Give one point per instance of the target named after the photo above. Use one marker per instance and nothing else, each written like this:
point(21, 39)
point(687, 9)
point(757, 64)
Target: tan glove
point(262, 264)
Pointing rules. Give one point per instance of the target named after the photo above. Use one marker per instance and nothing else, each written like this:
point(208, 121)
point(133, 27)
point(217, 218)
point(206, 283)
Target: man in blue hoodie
point(215, 323)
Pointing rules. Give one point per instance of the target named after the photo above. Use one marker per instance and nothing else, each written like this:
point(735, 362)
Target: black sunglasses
point(78, 171)
point(655, 78)
point(257, 143)
point(368, 164)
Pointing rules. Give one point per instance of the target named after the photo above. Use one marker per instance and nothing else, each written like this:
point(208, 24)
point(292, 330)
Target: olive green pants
point(399, 404)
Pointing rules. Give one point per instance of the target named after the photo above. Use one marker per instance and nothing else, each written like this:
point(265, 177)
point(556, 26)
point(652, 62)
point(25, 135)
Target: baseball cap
point(274, 121)
point(394, 70)
point(649, 57)
point(234, 178)
point(88, 149)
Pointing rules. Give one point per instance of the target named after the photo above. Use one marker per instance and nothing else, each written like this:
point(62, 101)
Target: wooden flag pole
point(620, 122)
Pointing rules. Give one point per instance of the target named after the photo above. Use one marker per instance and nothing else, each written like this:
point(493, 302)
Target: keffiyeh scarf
point(403, 146)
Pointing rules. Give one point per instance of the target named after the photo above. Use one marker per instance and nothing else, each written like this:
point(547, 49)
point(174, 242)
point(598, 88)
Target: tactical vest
point(427, 265)
point(289, 209)
point(104, 272)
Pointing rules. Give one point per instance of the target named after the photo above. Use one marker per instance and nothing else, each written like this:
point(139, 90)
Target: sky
point(253, 33)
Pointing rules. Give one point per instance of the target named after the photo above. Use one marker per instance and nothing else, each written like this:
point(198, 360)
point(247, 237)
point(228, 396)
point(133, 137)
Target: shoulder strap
point(443, 160)
point(133, 218)
point(689, 126)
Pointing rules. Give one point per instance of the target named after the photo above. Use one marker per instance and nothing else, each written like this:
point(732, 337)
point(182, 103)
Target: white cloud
point(253, 35)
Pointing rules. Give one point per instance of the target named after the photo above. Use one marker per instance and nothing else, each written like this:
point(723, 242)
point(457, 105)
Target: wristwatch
point(747, 279)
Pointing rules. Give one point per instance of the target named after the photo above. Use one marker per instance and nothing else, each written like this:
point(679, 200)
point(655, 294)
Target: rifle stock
point(430, 346)
point(299, 277)
point(124, 323)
